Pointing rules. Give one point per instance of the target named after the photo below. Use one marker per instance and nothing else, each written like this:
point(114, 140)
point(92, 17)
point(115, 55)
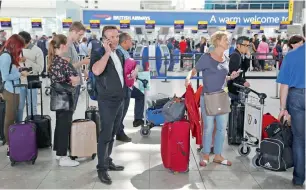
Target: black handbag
point(62, 97)
point(33, 82)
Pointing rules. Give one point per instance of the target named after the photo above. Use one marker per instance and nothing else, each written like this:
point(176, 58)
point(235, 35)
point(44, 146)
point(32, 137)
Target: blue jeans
point(296, 108)
point(23, 93)
point(221, 121)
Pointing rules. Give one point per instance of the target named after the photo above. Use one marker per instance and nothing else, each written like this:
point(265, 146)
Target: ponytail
point(51, 54)
point(54, 44)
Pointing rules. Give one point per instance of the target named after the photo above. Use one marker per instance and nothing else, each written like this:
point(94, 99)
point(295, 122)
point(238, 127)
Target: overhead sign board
point(94, 24)
point(179, 25)
point(67, 23)
point(255, 25)
point(36, 23)
point(230, 25)
point(125, 24)
point(150, 24)
point(6, 22)
point(202, 25)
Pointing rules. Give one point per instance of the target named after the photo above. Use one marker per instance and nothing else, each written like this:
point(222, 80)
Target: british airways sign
point(268, 18)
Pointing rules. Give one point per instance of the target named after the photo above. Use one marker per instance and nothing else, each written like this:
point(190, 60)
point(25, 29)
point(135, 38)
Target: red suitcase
point(175, 146)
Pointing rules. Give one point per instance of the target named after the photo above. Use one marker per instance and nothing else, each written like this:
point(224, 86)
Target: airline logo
point(116, 17)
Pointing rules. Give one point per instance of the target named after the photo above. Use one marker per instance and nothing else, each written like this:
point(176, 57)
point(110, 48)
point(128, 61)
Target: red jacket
point(193, 115)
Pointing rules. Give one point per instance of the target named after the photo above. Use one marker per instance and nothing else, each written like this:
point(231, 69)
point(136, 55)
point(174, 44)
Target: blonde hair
point(217, 36)
point(54, 44)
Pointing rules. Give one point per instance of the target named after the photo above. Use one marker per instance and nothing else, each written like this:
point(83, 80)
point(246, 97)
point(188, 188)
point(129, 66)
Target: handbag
point(62, 97)
point(33, 82)
point(174, 110)
point(217, 103)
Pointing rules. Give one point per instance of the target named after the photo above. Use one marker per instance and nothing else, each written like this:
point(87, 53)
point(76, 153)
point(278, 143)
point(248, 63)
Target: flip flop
point(204, 163)
point(224, 162)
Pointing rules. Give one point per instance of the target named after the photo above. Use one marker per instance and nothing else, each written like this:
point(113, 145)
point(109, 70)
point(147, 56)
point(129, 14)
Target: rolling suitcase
point(22, 143)
point(92, 113)
point(236, 124)
point(42, 122)
point(83, 139)
point(175, 146)
point(2, 117)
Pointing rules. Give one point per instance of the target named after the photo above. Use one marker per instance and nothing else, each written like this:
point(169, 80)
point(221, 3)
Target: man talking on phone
point(108, 67)
point(239, 60)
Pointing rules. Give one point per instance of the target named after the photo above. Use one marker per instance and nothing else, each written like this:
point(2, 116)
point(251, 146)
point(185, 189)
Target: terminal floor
point(142, 160)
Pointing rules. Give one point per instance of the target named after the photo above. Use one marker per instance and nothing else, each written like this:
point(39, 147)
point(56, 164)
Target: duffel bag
point(174, 110)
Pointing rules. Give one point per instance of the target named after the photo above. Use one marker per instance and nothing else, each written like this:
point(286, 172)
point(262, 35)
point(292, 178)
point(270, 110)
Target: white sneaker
point(66, 161)
point(58, 157)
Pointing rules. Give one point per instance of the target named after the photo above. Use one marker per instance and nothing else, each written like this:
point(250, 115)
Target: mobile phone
point(240, 71)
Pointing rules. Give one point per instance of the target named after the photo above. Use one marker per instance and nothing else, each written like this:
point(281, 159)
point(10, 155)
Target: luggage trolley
point(254, 107)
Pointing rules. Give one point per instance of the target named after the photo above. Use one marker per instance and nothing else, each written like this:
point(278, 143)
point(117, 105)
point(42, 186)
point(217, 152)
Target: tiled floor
point(141, 157)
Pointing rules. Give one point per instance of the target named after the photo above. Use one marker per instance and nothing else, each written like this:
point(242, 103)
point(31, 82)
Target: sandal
point(224, 162)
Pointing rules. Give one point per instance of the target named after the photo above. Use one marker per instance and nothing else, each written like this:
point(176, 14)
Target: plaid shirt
point(125, 53)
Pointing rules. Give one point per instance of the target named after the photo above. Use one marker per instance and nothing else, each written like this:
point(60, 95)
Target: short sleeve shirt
point(213, 73)
point(72, 54)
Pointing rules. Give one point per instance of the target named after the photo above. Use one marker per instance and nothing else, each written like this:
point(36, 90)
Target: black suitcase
point(2, 117)
point(43, 124)
point(235, 124)
point(92, 113)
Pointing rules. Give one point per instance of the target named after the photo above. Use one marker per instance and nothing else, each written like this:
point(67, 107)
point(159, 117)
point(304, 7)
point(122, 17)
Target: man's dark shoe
point(138, 122)
point(123, 138)
point(104, 177)
point(113, 167)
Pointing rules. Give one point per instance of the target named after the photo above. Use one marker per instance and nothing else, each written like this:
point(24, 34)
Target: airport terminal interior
point(156, 29)
point(142, 159)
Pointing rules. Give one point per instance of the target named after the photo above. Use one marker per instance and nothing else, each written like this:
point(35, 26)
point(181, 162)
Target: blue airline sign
point(268, 18)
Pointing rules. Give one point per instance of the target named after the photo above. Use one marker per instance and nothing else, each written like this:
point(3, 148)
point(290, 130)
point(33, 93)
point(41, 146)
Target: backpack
point(91, 81)
point(275, 152)
point(2, 83)
point(275, 52)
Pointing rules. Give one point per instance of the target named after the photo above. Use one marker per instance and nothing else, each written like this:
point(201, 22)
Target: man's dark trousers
point(139, 106)
point(126, 104)
point(296, 108)
point(110, 115)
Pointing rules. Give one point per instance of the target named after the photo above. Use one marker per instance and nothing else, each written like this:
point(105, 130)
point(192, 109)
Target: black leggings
point(62, 132)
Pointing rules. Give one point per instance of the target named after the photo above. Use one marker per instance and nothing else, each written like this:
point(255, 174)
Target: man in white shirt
point(108, 67)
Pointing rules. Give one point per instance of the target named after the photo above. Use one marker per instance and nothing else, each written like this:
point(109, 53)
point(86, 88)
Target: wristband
point(282, 109)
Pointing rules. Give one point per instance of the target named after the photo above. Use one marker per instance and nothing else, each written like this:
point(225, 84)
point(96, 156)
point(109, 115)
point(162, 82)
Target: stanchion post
point(276, 88)
point(166, 70)
point(198, 80)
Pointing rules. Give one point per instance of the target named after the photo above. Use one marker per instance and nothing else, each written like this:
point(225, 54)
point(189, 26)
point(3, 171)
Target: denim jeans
point(221, 121)
point(296, 108)
point(23, 93)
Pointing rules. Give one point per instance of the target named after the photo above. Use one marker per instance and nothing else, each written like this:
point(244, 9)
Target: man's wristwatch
point(282, 109)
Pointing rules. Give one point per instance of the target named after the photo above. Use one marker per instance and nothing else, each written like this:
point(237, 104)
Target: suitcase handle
point(81, 120)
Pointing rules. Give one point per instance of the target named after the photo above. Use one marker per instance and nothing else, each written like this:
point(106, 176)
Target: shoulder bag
point(217, 103)
point(62, 97)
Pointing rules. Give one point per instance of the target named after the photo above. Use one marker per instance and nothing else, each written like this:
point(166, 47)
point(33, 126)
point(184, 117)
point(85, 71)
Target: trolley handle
point(262, 96)
point(144, 82)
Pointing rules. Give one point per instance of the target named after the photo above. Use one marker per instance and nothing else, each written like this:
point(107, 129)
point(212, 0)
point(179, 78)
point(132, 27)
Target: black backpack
point(275, 152)
point(2, 83)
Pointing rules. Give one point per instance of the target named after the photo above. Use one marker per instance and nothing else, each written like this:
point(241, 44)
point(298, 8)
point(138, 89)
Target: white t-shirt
point(118, 66)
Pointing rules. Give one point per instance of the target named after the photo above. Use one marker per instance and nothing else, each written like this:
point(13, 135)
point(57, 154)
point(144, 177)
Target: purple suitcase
point(22, 143)
point(22, 140)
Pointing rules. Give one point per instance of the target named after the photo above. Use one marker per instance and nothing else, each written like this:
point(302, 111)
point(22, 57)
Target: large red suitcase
point(175, 146)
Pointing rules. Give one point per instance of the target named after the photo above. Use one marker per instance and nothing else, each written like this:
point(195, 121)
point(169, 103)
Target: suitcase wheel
point(73, 157)
point(255, 161)
point(145, 132)
point(33, 162)
point(13, 163)
point(243, 152)
point(93, 156)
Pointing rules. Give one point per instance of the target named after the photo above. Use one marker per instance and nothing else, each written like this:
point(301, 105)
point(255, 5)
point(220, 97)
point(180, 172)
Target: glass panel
point(243, 6)
point(278, 6)
point(254, 6)
point(231, 6)
point(266, 6)
point(219, 6)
